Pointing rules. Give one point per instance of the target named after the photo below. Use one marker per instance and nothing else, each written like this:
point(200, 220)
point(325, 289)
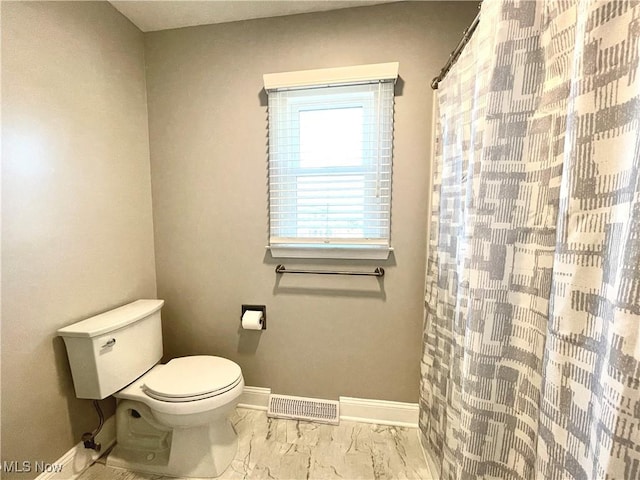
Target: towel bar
point(378, 272)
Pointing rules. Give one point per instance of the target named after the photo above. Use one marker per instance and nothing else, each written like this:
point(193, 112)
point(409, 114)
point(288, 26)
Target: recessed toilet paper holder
point(260, 308)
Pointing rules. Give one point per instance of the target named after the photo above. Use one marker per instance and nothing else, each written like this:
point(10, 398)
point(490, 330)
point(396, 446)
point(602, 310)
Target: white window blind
point(330, 165)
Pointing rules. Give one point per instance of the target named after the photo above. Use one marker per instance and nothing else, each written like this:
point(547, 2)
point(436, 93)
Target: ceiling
point(150, 16)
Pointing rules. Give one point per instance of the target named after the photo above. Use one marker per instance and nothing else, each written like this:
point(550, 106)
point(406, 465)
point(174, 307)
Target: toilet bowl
point(174, 419)
point(188, 391)
point(171, 419)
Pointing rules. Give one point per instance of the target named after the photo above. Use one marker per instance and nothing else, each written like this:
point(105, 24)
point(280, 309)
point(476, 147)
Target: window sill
point(336, 252)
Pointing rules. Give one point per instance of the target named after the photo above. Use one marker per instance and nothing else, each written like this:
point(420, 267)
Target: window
point(330, 155)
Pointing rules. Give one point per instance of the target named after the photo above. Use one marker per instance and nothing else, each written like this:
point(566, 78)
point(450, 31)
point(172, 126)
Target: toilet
point(171, 419)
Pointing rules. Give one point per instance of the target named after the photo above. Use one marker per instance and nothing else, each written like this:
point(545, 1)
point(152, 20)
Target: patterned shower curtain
point(531, 359)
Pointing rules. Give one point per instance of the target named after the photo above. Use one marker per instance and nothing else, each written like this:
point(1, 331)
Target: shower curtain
point(531, 358)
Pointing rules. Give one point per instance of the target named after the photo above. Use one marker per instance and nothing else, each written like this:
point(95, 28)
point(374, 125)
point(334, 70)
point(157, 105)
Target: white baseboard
point(255, 398)
point(363, 410)
point(382, 412)
point(71, 465)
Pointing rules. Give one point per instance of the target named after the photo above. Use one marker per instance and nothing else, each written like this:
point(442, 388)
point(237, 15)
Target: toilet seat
point(188, 379)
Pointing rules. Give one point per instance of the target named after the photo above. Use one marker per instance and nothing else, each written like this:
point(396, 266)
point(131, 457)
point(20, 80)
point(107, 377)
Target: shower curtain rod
point(466, 36)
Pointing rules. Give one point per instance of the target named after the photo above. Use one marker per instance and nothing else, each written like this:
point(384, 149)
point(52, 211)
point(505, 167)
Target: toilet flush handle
point(110, 343)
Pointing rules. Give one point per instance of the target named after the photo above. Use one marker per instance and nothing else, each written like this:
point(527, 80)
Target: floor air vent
point(300, 408)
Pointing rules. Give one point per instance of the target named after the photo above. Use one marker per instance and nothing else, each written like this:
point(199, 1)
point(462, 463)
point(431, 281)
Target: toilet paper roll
point(252, 320)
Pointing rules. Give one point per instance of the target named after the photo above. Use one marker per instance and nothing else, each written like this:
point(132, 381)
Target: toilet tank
point(108, 351)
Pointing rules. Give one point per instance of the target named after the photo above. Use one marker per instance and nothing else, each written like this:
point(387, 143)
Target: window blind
point(330, 166)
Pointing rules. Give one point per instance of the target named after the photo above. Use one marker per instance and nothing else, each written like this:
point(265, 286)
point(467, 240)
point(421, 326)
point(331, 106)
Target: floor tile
point(278, 449)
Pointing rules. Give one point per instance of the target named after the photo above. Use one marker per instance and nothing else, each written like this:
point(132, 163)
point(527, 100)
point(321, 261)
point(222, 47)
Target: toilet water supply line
point(89, 438)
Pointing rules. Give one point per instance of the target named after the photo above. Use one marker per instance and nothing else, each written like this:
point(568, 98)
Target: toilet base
point(204, 451)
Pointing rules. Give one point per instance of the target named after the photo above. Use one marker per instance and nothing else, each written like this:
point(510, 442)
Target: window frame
point(338, 248)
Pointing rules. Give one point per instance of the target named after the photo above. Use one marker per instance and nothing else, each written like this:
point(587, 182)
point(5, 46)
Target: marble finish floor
point(280, 449)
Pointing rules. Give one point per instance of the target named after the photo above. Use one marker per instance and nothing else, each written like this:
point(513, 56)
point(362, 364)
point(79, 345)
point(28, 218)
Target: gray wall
point(326, 336)
point(77, 235)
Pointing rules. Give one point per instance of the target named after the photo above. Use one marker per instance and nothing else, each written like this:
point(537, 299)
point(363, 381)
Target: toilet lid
point(196, 376)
